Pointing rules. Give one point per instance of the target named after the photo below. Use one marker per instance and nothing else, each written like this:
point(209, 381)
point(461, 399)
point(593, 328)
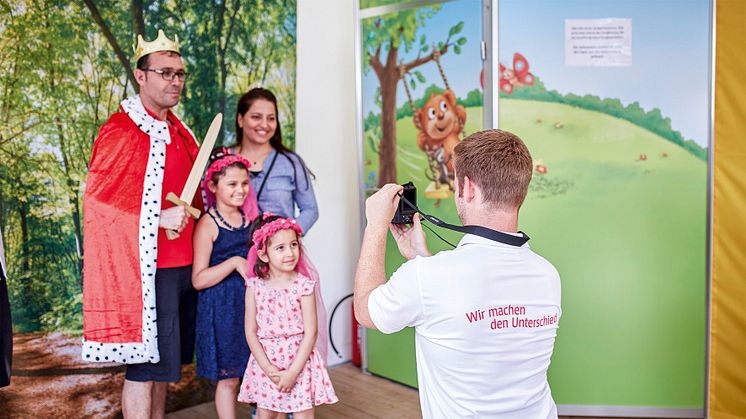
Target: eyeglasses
point(167, 74)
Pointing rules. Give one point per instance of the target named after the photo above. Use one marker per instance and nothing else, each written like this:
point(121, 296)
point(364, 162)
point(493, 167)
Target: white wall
point(325, 132)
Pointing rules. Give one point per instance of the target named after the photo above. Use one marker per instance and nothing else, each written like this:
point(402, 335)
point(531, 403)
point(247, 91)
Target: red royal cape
point(121, 205)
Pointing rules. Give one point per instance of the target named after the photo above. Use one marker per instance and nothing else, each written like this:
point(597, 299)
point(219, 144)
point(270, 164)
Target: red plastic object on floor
point(356, 340)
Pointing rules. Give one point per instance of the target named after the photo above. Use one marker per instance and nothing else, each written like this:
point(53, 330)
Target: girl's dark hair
point(261, 268)
point(248, 99)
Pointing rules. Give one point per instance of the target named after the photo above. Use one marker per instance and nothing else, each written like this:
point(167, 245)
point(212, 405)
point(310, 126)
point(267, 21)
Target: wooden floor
point(361, 396)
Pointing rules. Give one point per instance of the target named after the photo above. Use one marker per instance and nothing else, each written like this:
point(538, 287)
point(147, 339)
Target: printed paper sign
point(598, 42)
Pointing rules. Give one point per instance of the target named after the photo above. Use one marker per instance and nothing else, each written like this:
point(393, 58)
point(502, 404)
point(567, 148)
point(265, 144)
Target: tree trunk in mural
point(389, 74)
point(73, 190)
point(138, 21)
point(25, 259)
point(223, 45)
point(121, 55)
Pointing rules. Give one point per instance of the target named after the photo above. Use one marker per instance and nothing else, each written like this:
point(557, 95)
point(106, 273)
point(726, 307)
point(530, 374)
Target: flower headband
point(220, 160)
point(268, 230)
point(223, 159)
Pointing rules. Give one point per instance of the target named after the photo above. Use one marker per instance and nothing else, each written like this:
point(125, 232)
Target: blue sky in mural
point(670, 44)
point(461, 70)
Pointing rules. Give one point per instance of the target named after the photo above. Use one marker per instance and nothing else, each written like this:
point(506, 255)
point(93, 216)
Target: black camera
point(406, 211)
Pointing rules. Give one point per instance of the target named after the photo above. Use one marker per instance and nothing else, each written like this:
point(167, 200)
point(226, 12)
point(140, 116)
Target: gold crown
point(161, 43)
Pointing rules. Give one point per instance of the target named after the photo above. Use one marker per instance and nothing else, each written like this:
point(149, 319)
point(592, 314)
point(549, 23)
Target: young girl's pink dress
point(280, 331)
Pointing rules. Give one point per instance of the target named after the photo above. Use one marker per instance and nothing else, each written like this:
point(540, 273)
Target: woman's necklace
point(225, 223)
point(257, 158)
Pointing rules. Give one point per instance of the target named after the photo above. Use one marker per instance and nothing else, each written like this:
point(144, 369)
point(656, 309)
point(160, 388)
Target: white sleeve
point(397, 303)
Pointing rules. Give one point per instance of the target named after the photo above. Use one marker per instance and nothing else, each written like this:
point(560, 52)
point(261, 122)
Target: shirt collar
point(474, 239)
point(171, 118)
point(151, 113)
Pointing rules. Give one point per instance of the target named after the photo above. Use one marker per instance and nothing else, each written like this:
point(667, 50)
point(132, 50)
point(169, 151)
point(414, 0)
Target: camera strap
point(480, 231)
point(266, 176)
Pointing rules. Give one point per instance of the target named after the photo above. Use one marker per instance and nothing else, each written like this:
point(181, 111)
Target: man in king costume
point(139, 306)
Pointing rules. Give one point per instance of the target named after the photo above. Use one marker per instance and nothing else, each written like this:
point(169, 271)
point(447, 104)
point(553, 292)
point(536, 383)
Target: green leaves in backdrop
point(64, 68)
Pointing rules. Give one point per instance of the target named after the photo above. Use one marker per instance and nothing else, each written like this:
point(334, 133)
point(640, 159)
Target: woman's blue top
point(288, 185)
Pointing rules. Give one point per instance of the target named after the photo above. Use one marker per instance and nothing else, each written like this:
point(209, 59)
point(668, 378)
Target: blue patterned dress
point(222, 351)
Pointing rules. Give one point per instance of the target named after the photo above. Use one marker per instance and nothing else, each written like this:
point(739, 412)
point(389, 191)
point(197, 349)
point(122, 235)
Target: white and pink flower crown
point(224, 159)
point(268, 230)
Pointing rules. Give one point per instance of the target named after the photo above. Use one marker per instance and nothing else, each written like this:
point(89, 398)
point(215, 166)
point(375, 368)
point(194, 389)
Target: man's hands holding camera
point(381, 206)
point(379, 211)
point(410, 239)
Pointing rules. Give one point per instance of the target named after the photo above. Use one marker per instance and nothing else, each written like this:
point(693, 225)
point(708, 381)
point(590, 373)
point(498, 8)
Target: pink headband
point(268, 230)
point(224, 162)
point(250, 207)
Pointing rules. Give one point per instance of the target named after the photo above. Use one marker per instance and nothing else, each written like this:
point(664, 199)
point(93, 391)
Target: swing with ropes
point(441, 179)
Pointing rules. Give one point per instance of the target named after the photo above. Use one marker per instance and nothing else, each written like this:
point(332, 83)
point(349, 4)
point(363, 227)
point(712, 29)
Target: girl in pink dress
point(286, 372)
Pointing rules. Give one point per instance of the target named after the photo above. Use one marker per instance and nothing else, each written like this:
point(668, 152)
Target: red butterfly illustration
point(517, 76)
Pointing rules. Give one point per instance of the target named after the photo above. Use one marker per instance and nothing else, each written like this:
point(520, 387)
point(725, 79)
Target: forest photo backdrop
point(64, 68)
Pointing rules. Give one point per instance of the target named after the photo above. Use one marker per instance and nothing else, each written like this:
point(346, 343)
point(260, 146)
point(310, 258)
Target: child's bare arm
point(203, 275)
point(257, 351)
point(308, 310)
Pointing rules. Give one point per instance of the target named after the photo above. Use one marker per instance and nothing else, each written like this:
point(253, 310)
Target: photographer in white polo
point(486, 313)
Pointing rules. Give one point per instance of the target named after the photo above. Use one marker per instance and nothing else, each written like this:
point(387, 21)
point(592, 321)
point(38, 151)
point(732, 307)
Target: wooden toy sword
point(195, 175)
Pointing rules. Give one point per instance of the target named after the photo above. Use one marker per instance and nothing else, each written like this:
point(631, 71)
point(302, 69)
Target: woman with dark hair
point(278, 175)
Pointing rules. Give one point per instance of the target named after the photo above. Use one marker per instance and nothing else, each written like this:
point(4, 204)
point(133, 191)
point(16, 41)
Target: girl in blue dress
point(219, 271)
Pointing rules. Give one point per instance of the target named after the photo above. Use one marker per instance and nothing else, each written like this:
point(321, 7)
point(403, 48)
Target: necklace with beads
point(226, 224)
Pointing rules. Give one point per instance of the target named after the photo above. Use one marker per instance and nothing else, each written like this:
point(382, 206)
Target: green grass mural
point(621, 213)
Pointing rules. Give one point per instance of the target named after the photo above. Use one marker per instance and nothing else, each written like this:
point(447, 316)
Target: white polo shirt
point(485, 315)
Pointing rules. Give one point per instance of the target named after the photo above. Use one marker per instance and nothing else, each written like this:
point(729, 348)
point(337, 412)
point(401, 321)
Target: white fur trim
point(150, 209)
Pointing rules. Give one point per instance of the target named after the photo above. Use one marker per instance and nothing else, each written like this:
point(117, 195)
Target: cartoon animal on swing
point(440, 122)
